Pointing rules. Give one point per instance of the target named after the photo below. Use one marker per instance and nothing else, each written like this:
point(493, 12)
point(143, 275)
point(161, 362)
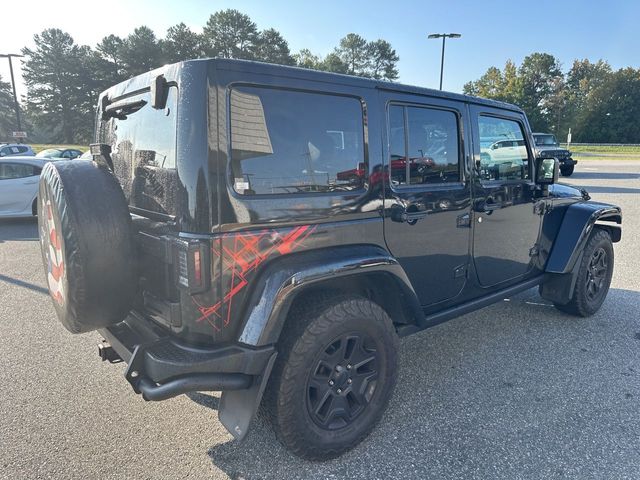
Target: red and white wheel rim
point(53, 253)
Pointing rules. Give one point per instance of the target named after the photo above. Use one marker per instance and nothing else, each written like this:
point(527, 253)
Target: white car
point(12, 149)
point(19, 177)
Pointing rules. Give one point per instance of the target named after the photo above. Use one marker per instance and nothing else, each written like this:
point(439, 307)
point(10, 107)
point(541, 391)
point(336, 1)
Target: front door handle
point(409, 215)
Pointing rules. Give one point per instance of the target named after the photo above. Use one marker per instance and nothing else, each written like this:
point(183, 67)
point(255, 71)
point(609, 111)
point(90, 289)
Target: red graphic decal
point(241, 254)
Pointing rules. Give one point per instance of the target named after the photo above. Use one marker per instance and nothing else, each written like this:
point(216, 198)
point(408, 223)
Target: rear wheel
point(567, 171)
point(594, 276)
point(333, 378)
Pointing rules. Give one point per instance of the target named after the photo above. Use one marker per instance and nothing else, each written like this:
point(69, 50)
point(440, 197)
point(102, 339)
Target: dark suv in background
point(270, 232)
point(548, 147)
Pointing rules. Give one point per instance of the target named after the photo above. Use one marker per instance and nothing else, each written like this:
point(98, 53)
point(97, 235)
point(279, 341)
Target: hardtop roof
point(309, 74)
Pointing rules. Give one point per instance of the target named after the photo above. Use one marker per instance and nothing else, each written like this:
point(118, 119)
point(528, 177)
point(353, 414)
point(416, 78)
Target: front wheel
point(333, 377)
point(567, 171)
point(594, 276)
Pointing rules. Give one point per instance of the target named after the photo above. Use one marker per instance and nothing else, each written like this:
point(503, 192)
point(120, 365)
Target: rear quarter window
point(289, 142)
point(143, 146)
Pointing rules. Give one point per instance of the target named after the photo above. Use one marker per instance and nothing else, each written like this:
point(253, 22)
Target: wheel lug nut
point(339, 390)
point(331, 383)
point(349, 381)
point(349, 367)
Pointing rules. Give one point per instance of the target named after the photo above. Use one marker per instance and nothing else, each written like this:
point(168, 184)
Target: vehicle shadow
point(581, 174)
point(18, 229)
point(503, 392)
point(22, 283)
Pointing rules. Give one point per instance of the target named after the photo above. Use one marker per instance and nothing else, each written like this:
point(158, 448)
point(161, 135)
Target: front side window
point(503, 150)
point(9, 171)
point(285, 141)
point(423, 146)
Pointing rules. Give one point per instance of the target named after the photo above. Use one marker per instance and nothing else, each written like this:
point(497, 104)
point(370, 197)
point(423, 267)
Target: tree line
point(600, 105)
point(64, 79)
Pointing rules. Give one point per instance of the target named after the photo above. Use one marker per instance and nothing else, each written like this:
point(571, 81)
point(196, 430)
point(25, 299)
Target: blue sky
point(492, 31)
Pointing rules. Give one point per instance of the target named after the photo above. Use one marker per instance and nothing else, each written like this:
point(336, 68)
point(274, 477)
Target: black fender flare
point(274, 291)
point(284, 278)
point(577, 224)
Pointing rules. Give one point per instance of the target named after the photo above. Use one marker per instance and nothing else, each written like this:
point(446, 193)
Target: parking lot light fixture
point(13, 85)
point(444, 36)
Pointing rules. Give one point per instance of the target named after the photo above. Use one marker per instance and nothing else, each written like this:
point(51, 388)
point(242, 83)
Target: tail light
point(192, 266)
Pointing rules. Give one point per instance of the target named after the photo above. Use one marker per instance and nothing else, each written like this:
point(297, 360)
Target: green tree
point(490, 85)
point(334, 63)
point(141, 52)
point(181, 43)
point(382, 60)
point(7, 106)
point(306, 59)
point(109, 63)
point(273, 48)
point(230, 34)
point(612, 110)
point(55, 72)
point(539, 73)
point(353, 52)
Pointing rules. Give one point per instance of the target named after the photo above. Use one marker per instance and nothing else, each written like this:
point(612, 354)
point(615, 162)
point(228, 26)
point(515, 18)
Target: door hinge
point(542, 208)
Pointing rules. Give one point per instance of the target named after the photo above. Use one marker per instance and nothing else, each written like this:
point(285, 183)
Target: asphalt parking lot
point(515, 391)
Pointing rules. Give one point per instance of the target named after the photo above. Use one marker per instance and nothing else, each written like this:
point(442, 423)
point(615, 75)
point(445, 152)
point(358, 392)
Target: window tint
point(143, 144)
point(503, 150)
point(10, 171)
point(291, 142)
point(428, 139)
point(22, 149)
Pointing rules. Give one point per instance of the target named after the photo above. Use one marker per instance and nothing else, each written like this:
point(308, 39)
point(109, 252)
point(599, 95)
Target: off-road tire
point(309, 330)
point(582, 303)
point(87, 244)
point(567, 171)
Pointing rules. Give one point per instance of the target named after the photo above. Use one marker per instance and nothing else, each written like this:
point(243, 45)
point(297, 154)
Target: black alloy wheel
point(343, 381)
point(334, 374)
point(596, 274)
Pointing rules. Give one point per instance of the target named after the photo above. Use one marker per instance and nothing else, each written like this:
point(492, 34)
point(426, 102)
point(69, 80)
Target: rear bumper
point(160, 366)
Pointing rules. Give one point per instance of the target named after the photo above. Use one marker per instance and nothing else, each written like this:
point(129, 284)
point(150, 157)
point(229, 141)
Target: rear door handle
point(490, 207)
point(412, 216)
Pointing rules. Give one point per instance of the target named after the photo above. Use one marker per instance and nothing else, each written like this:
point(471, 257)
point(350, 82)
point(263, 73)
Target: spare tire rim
point(52, 249)
point(597, 272)
point(342, 381)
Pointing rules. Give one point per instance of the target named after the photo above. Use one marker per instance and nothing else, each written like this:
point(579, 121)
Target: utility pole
point(13, 85)
point(444, 36)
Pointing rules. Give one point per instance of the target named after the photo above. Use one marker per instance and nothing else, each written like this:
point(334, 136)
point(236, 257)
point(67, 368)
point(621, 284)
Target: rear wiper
point(120, 110)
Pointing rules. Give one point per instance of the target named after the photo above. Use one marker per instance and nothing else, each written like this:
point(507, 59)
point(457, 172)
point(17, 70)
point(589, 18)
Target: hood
point(551, 149)
point(562, 190)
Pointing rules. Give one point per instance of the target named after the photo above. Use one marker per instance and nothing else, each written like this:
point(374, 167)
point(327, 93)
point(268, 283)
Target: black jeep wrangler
point(269, 232)
point(548, 147)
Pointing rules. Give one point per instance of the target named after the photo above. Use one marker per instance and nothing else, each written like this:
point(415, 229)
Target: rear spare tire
point(87, 244)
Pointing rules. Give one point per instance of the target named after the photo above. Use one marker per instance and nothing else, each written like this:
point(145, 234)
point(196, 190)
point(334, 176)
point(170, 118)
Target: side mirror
point(548, 170)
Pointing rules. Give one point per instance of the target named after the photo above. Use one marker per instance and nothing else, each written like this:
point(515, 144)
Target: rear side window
point(10, 171)
point(423, 146)
point(285, 141)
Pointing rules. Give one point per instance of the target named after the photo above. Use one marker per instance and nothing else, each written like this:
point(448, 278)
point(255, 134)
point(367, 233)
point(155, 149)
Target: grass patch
point(38, 147)
point(629, 150)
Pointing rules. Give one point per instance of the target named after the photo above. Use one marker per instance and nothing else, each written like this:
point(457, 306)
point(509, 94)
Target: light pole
point(444, 36)
point(13, 85)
